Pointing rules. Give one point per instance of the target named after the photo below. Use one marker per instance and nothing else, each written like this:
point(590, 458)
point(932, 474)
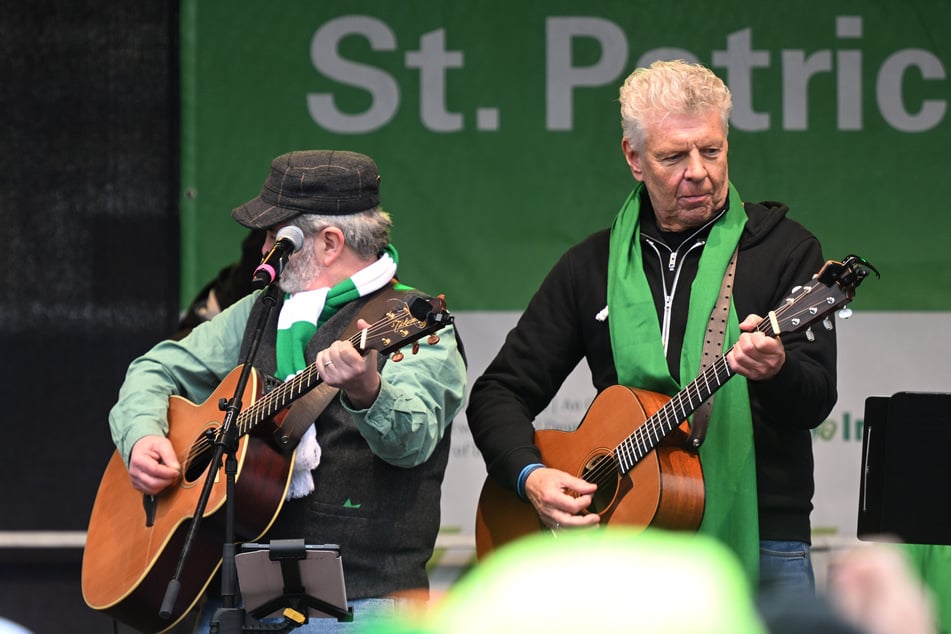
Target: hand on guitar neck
point(342, 366)
point(755, 355)
point(559, 498)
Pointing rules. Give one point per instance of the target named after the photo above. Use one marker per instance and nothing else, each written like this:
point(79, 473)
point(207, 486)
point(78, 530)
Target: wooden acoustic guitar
point(134, 541)
point(633, 443)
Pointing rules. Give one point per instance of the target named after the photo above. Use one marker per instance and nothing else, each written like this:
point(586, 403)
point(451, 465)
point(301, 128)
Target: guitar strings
point(647, 436)
point(275, 400)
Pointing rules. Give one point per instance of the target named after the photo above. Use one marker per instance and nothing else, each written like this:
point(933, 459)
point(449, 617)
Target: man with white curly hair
point(635, 301)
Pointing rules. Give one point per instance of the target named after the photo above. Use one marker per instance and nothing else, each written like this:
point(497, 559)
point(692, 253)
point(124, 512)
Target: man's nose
point(696, 170)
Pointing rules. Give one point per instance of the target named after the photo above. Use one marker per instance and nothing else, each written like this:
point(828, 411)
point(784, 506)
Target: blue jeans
point(786, 566)
point(365, 612)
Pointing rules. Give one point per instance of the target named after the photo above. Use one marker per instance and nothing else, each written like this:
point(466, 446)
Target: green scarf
point(727, 454)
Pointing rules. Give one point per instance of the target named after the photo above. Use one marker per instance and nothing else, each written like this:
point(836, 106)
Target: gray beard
point(299, 272)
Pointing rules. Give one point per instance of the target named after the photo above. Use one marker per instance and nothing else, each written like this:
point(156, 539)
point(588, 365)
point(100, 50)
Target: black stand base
point(303, 603)
point(292, 595)
point(237, 620)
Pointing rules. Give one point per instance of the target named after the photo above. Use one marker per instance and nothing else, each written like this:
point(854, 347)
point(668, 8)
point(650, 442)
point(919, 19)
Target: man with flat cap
point(369, 463)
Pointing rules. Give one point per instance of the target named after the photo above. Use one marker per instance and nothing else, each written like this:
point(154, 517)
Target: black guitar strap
point(712, 349)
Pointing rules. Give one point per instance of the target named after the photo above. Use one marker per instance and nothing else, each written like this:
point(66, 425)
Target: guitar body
point(664, 489)
point(127, 563)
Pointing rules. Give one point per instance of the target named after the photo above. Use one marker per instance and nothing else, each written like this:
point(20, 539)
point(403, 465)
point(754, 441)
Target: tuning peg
point(397, 356)
point(810, 336)
point(433, 339)
point(845, 313)
point(827, 323)
point(415, 347)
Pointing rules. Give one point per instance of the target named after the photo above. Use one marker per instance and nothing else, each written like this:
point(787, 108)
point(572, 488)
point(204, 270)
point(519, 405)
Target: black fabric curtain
point(89, 230)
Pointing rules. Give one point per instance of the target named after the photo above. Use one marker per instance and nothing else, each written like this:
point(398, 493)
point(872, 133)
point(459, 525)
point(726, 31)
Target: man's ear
point(330, 242)
point(633, 159)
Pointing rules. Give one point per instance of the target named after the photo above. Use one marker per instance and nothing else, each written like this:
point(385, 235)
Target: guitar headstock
point(832, 288)
point(410, 319)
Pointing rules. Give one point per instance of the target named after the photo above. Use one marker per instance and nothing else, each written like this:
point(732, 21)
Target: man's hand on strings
point(560, 498)
point(153, 464)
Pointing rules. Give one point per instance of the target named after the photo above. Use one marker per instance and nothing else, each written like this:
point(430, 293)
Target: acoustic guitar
point(633, 443)
point(134, 541)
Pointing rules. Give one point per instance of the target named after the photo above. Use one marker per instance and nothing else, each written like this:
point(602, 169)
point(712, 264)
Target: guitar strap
point(305, 410)
point(712, 349)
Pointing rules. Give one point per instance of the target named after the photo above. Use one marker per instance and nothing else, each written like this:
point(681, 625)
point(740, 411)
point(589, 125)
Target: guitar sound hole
point(198, 459)
point(602, 470)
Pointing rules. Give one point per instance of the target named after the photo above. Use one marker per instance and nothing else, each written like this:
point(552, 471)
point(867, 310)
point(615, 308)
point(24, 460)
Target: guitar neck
point(286, 393)
point(684, 403)
point(278, 399)
point(646, 437)
point(402, 325)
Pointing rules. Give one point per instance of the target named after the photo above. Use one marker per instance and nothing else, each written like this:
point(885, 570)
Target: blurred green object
point(932, 563)
point(606, 580)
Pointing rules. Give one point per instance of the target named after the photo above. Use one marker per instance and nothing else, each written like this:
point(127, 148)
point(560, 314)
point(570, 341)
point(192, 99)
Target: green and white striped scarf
point(303, 313)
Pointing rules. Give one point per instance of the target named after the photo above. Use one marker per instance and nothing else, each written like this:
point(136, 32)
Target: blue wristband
point(523, 476)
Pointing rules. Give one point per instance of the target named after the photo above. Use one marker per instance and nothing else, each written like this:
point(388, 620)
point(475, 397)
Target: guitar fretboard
point(646, 437)
point(277, 399)
point(399, 327)
point(307, 379)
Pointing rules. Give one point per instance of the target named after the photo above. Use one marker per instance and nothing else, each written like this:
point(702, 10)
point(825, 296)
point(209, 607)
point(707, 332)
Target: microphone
point(288, 240)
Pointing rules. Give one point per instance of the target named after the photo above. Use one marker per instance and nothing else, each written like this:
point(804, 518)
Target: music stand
point(905, 466)
point(286, 573)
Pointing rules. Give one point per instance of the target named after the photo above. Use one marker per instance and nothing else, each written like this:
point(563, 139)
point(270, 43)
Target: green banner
point(496, 128)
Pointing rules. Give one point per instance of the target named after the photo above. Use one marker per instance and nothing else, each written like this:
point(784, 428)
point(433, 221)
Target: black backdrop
point(89, 226)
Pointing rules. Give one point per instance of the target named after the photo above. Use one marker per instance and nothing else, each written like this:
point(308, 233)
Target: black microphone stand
point(229, 619)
